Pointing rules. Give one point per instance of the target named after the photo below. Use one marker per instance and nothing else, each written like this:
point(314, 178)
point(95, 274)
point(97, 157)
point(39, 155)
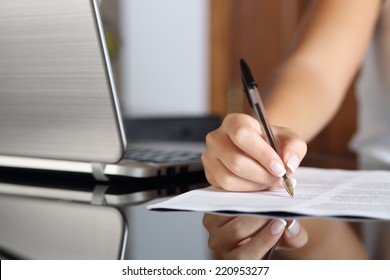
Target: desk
point(62, 216)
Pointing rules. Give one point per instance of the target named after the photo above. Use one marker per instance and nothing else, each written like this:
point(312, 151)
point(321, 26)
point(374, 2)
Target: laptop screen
point(57, 95)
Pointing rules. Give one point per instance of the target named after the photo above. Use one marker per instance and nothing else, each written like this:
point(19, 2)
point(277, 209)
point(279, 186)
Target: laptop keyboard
point(159, 156)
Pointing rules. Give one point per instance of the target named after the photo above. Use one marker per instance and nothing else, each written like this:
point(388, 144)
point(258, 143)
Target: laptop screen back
point(57, 97)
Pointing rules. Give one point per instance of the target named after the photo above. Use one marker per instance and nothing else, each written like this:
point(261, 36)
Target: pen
point(254, 99)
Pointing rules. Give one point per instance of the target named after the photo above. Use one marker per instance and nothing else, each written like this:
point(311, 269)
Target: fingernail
point(277, 168)
point(293, 162)
point(278, 226)
point(294, 228)
point(293, 182)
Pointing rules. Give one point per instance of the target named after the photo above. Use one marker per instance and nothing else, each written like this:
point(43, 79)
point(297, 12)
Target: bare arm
point(312, 81)
point(303, 94)
point(307, 90)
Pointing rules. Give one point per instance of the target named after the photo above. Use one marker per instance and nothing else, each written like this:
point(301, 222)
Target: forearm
point(307, 89)
point(299, 97)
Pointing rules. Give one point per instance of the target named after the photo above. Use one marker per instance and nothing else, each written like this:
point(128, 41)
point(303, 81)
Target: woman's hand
point(238, 158)
point(249, 237)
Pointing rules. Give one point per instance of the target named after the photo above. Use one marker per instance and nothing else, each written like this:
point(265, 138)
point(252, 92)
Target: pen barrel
point(254, 99)
point(254, 96)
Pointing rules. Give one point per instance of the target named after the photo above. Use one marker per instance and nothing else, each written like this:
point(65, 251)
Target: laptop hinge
point(98, 195)
point(98, 172)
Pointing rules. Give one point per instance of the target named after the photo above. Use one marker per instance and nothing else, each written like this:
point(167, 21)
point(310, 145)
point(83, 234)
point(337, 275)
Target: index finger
point(245, 132)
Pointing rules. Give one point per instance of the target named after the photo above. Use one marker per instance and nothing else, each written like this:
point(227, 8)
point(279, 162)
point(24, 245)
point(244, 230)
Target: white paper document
point(319, 193)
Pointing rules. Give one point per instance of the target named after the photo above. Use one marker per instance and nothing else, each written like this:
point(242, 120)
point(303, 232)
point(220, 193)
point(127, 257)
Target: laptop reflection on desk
point(58, 104)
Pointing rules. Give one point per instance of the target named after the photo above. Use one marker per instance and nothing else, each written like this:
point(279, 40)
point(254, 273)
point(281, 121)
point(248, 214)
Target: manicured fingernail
point(293, 182)
point(277, 168)
point(278, 226)
point(293, 163)
point(294, 228)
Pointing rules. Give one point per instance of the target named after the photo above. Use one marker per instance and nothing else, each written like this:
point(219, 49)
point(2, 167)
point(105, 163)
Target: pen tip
point(288, 185)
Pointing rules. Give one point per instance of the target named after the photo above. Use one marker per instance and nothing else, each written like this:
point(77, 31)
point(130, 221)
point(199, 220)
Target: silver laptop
point(58, 105)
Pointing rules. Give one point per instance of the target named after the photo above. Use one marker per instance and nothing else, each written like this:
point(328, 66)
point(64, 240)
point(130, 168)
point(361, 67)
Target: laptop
point(58, 104)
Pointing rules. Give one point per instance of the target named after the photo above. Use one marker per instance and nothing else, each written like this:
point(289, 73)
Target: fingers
point(243, 237)
point(250, 237)
point(252, 179)
point(245, 133)
point(237, 157)
point(226, 232)
point(294, 237)
point(293, 148)
point(255, 247)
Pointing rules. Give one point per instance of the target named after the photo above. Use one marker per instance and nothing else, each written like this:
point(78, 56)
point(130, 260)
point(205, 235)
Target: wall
point(164, 57)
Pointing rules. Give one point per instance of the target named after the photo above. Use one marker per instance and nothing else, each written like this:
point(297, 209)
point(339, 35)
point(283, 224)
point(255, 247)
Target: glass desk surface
point(63, 216)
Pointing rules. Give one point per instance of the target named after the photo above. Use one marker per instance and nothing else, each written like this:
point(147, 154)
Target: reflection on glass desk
point(39, 229)
point(62, 216)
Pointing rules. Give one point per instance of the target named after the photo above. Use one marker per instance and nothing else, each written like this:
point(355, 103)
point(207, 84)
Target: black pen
point(253, 95)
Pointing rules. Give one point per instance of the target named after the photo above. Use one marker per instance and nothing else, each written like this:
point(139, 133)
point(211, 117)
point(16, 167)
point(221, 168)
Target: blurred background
point(160, 52)
point(180, 58)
